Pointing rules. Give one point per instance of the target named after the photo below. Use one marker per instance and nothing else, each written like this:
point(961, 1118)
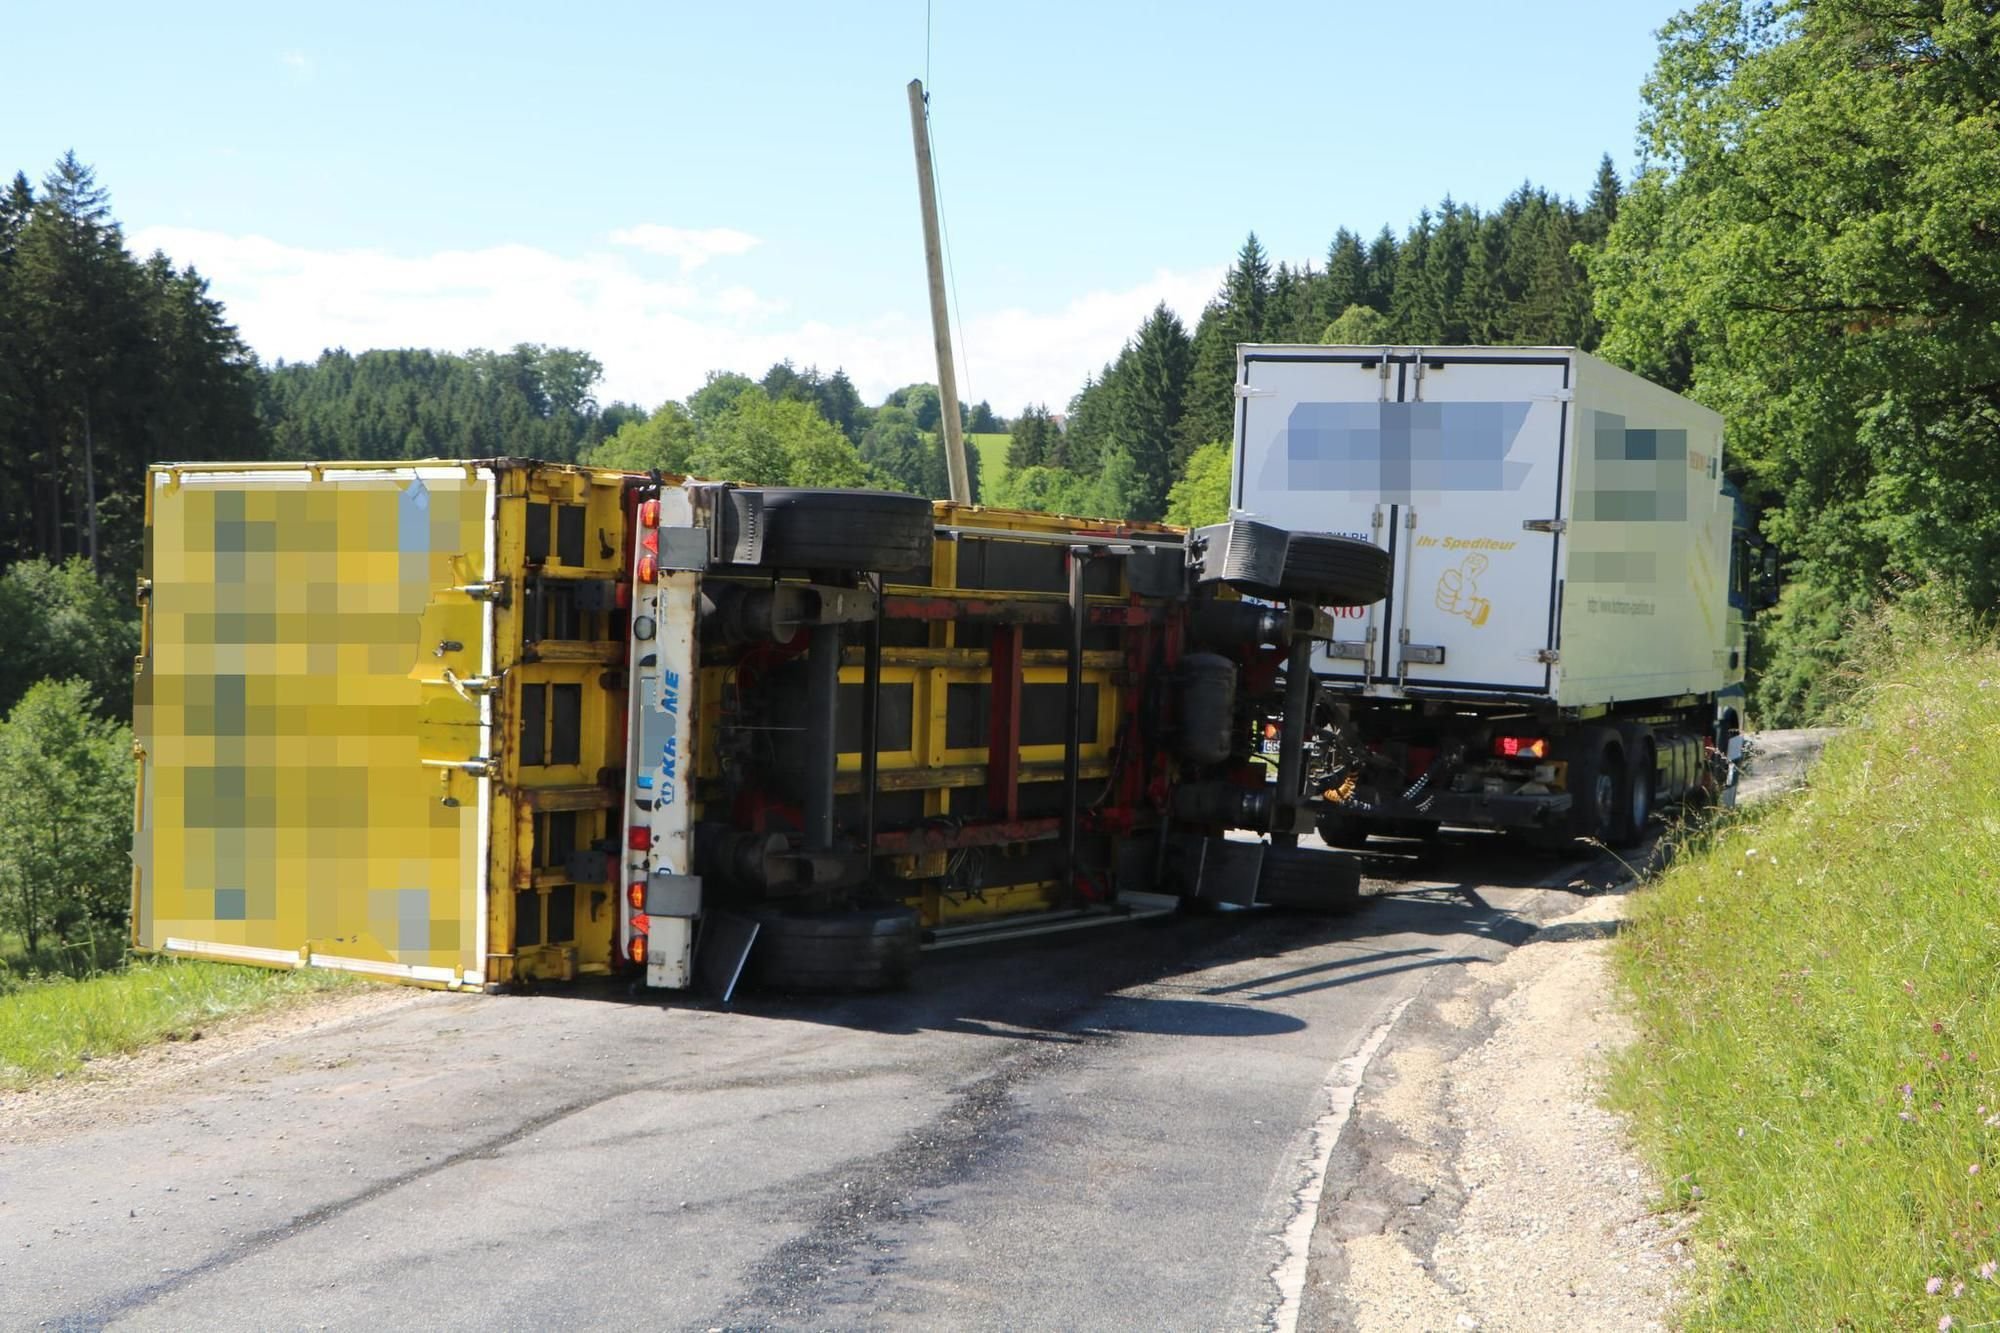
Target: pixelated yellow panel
point(301, 629)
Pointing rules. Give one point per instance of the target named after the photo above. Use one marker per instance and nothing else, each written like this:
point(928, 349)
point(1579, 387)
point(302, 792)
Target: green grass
point(54, 1027)
point(1817, 984)
point(992, 458)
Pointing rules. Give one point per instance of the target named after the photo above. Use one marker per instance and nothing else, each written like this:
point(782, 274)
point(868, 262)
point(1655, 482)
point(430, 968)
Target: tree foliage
point(1202, 494)
point(1814, 250)
point(106, 362)
point(61, 620)
point(528, 402)
point(66, 804)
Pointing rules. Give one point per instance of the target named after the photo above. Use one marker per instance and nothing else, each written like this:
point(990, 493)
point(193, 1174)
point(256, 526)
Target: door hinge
point(1548, 656)
point(1549, 525)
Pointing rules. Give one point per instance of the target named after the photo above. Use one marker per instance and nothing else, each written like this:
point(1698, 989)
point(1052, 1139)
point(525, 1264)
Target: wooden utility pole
point(954, 439)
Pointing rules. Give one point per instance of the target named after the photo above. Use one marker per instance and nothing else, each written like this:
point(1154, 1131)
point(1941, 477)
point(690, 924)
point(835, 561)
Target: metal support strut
point(1292, 742)
point(1079, 559)
point(822, 737)
point(871, 712)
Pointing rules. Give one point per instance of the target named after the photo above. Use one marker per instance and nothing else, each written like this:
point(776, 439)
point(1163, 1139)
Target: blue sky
point(679, 188)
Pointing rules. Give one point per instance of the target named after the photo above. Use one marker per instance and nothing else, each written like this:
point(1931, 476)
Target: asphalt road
point(1113, 1128)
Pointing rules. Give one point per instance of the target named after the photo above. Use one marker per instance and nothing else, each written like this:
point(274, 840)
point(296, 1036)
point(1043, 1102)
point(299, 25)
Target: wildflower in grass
point(1987, 1270)
point(1957, 1290)
point(1934, 1286)
point(1944, 1322)
point(1972, 1170)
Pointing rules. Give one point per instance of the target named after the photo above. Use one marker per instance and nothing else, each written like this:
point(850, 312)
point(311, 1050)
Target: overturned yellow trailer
point(466, 724)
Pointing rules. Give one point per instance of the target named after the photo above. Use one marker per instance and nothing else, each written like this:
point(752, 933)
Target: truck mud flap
point(725, 946)
point(1304, 879)
point(1227, 870)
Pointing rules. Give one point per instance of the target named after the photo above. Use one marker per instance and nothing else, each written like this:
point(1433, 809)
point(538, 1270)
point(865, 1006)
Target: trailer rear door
point(1444, 458)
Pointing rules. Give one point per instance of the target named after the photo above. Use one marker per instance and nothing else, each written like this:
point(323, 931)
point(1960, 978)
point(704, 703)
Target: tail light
point(639, 838)
point(649, 568)
point(1521, 747)
point(636, 950)
point(635, 894)
point(649, 514)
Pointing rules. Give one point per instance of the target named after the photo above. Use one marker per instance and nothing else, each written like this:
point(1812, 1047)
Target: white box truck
point(1562, 646)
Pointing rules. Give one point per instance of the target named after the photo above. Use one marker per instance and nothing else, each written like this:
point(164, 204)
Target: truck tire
point(1595, 760)
point(876, 531)
point(1595, 771)
point(1335, 571)
point(1303, 879)
point(843, 952)
point(1635, 793)
point(1269, 561)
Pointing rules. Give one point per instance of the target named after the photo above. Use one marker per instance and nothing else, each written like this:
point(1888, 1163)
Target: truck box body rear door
point(1452, 455)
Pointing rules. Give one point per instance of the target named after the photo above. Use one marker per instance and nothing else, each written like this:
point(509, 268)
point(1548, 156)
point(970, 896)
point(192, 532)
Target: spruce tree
point(1414, 315)
point(1151, 395)
point(1346, 282)
point(1600, 210)
point(1382, 253)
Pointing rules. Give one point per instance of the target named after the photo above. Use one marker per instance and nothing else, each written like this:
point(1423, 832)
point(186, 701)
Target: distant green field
point(992, 458)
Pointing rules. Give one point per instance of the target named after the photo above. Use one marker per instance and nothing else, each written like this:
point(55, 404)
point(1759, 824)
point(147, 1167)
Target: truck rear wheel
point(1595, 764)
point(877, 531)
point(862, 949)
point(1635, 795)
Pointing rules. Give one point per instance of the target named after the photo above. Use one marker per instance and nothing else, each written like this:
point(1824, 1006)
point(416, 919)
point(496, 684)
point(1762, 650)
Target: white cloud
point(657, 338)
point(296, 63)
point(692, 247)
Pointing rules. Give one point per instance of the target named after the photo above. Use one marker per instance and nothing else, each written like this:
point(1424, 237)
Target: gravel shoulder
point(1481, 1183)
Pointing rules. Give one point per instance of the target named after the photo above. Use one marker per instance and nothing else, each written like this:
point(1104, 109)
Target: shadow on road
point(1076, 986)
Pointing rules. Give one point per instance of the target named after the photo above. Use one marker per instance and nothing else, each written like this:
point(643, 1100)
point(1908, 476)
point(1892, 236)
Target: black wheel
point(1335, 571)
point(1304, 879)
point(1343, 830)
point(1268, 561)
point(863, 949)
point(878, 531)
point(1635, 795)
point(1596, 764)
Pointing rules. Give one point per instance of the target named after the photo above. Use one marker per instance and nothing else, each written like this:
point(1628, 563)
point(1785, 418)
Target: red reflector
point(649, 541)
point(649, 513)
point(649, 569)
point(636, 895)
point(641, 924)
point(639, 839)
point(636, 951)
point(1521, 747)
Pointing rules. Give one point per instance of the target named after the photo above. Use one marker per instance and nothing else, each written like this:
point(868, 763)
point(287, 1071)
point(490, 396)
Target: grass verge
point(55, 1027)
point(1817, 983)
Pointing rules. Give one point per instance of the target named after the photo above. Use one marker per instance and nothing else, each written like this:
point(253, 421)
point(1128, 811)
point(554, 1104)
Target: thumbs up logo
point(1458, 590)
